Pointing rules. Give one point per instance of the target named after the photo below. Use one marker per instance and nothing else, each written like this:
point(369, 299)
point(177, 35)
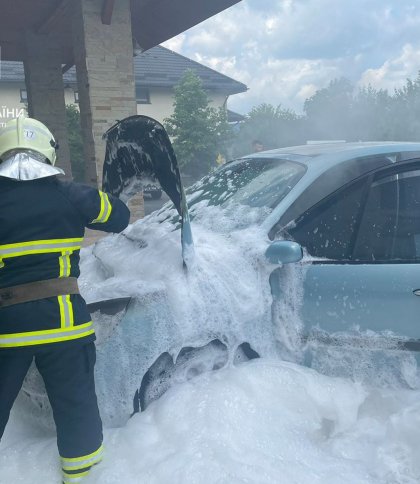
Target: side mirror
point(284, 252)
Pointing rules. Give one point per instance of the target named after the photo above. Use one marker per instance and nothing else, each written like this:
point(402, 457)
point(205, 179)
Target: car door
point(364, 242)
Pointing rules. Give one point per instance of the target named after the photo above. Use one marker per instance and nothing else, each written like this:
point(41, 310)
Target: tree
point(200, 133)
point(273, 126)
point(371, 115)
point(406, 111)
point(329, 111)
point(75, 143)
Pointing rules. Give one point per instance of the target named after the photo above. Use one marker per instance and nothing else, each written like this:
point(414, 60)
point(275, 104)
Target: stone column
point(105, 75)
point(44, 83)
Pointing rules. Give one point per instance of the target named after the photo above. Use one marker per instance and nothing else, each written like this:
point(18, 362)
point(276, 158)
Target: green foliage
point(76, 142)
point(200, 133)
point(338, 111)
point(328, 111)
point(367, 114)
point(273, 126)
point(406, 111)
point(371, 116)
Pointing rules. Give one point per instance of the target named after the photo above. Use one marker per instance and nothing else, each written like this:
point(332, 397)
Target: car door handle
point(416, 292)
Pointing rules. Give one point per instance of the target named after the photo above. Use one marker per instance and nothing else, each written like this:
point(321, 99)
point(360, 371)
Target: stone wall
point(105, 75)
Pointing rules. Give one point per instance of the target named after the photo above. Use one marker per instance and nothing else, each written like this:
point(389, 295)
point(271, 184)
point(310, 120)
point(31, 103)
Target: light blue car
point(343, 218)
point(354, 209)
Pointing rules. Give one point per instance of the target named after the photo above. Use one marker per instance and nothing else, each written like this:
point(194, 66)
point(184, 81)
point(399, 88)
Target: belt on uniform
point(34, 291)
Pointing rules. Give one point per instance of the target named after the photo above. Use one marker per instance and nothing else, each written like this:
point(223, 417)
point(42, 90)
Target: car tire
point(191, 362)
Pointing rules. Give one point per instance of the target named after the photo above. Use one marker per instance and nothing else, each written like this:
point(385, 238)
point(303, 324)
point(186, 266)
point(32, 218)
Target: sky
point(284, 50)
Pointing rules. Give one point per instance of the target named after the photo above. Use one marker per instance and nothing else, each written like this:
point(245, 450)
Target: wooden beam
point(48, 25)
point(107, 11)
point(11, 45)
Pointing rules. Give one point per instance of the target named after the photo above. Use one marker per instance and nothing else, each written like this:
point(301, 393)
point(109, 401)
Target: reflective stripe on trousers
point(76, 468)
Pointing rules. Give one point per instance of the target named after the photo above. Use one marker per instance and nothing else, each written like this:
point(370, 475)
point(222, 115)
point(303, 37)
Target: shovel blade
point(139, 152)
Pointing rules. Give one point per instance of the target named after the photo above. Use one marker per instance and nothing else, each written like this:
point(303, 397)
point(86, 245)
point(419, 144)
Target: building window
point(76, 97)
point(142, 95)
point(23, 96)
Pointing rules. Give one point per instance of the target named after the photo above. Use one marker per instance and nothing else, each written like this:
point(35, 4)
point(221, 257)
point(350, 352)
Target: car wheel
point(190, 363)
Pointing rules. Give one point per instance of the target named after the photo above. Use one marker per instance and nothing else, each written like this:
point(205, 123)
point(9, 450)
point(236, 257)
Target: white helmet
point(27, 150)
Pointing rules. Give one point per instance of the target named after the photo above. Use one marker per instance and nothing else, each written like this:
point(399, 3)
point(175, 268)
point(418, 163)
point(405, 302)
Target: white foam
point(264, 422)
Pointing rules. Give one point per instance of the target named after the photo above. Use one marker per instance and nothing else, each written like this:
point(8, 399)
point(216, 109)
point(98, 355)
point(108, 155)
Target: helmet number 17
point(29, 134)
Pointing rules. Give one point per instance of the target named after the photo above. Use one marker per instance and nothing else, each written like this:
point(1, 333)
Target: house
point(100, 38)
point(156, 71)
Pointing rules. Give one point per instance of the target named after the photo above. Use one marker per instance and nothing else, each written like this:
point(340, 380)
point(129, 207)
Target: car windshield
point(243, 192)
point(252, 182)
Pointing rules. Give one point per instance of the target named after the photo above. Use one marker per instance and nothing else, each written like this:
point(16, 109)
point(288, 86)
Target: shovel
point(139, 151)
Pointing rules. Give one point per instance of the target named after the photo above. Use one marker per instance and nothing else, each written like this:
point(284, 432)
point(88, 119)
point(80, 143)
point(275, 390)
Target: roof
point(153, 21)
point(157, 67)
point(163, 67)
point(234, 117)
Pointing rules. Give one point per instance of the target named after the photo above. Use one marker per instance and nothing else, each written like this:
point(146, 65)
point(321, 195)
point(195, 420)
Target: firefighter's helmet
point(27, 134)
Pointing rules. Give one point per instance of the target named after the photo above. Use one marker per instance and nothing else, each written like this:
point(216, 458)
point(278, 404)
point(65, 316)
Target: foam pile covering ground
point(263, 422)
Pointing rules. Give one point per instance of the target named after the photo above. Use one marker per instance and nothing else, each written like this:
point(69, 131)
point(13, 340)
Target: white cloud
point(286, 49)
point(176, 43)
point(285, 82)
point(306, 91)
point(393, 72)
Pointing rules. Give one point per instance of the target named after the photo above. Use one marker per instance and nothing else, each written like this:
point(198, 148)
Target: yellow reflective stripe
point(66, 311)
point(65, 263)
point(43, 241)
point(46, 336)
point(71, 313)
point(70, 478)
point(39, 247)
point(61, 264)
point(105, 210)
point(75, 463)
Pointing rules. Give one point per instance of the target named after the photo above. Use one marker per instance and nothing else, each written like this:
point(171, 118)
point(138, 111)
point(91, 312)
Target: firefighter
point(43, 318)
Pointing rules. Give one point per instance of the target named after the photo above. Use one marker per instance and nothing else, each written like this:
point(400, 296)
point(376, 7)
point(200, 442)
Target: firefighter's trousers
point(68, 375)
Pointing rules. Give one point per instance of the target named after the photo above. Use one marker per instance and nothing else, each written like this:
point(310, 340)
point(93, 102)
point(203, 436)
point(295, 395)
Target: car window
point(327, 229)
point(253, 182)
point(270, 186)
point(390, 226)
point(258, 184)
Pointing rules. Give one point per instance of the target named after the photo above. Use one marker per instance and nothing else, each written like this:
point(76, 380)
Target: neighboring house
point(157, 71)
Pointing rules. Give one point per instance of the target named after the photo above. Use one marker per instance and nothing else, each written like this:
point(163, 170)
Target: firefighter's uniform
point(42, 224)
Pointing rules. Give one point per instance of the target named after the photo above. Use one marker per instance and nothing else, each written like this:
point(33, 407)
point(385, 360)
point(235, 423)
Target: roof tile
point(157, 67)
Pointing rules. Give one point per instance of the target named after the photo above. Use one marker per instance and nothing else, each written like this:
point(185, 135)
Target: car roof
point(331, 166)
point(345, 161)
point(336, 152)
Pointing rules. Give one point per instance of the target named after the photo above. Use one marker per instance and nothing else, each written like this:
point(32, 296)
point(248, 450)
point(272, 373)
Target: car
point(330, 240)
point(153, 190)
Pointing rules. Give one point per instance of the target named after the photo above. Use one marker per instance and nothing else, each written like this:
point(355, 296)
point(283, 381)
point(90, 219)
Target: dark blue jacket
point(42, 225)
